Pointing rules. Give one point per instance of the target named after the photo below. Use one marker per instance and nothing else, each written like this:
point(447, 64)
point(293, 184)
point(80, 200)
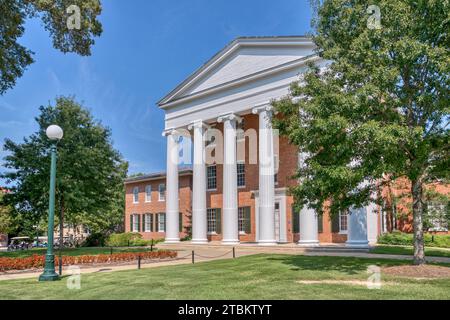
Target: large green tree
point(57, 18)
point(90, 172)
point(379, 109)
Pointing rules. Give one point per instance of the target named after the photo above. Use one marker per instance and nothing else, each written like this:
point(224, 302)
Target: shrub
point(95, 240)
point(36, 261)
point(127, 239)
point(406, 239)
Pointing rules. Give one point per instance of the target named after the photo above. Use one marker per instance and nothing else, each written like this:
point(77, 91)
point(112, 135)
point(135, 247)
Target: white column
point(199, 222)
point(309, 232)
point(266, 177)
point(372, 223)
point(172, 209)
point(357, 228)
point(230, 201)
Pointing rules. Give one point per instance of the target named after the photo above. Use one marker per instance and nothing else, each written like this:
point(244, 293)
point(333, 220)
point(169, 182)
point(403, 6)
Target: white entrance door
point(277, 221)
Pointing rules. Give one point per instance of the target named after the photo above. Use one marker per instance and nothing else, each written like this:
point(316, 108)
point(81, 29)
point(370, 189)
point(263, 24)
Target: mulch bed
point(418, 272)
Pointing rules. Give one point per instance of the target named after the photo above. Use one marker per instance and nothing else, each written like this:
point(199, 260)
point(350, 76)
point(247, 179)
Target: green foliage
point(6, 220)
point(380, 107)
point(132, 239)
point(90, 171)
point(96, 239)
point(14, 58)
point(406, 239)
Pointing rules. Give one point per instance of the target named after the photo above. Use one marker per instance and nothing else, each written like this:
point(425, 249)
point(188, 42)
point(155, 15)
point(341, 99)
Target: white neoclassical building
point(234, 199)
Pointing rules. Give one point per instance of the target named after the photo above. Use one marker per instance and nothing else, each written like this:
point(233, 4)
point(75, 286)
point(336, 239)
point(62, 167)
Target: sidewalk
point(216, 252)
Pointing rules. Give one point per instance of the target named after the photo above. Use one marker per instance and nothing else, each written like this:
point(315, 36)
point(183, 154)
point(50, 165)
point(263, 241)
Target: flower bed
point(38, 261)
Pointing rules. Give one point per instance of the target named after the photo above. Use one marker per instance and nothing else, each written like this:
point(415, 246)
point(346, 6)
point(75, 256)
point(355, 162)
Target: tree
point(90, 172)
point(379, 108)
point(6, 223)
point(56, 16)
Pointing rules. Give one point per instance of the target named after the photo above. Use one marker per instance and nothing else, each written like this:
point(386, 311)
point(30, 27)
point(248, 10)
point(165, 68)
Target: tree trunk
point(419, 250)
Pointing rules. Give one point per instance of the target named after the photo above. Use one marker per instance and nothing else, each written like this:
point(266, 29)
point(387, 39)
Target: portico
point(228, 92)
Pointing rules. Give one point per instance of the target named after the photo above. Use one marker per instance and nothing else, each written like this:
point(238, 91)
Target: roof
point(230, 45)
point(157, 176)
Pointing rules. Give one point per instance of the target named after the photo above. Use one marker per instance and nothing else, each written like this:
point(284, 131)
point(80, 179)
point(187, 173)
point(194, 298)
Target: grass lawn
point(68, 251)
point(251, 277)
point(408, 250)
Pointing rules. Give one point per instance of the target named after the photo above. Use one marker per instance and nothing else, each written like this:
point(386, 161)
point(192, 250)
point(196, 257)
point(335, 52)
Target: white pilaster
point(357, 228)
point(172, 207)
point(230, 201)
point(309, 232)
point(266, 176)
point(372, 223)
point(199, 219)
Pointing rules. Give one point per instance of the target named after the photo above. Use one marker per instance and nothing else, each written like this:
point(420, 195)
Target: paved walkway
point(215, 251)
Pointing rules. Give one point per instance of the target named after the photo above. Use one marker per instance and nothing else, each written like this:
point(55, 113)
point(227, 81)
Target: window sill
point(212, 233)
point(211, 190)
point(242, 233)
point(343, 232)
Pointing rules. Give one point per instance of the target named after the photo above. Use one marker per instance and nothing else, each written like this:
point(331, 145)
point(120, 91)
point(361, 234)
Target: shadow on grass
point(346, 265)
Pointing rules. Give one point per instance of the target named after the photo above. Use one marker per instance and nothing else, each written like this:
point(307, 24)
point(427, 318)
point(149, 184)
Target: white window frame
point(148, 222)
point(161, 219)
point(343, 215)
point(148, 197)
point(135, 226)
point(240, 162)
point(208, 178)
point(241, 220)
point(163, 198)
point(211, 221)
point(135, 195)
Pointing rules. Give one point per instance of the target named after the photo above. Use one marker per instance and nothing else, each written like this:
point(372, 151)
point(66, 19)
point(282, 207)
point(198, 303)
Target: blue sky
point(146, 49)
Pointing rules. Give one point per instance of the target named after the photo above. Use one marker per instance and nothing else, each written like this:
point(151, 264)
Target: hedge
point(132, 239)
point(38, 261)
point(406, 239)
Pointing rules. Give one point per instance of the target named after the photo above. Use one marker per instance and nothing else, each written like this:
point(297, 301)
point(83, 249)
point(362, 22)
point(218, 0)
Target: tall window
point(241, 174)
point(243, 219)
point(161, 222)
point(135, 224)
point(162, 192)
point(136, 195)
point(343, 223)
point(240, 130)
point(212, 220)
point(211, 177)
point(148, 223)
point(148, 194)
point(436, 217)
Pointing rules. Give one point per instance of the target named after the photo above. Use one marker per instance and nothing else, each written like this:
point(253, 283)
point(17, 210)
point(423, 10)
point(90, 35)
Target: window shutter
point(180, 221)
point(320, 223)
point(335, 224)
point(131, 223)
point(139, 223)
point(247, 216)
point(151, 222)
point(295, 221)
point(157, 222)
point(218, 221)
point(165, 221)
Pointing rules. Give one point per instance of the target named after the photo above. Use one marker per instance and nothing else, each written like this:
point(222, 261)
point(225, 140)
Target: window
point(148, 194)
point(148, 222)
point(244, 220)
point(211, 177)
point(241, 174)
point(161, 222)
point(212, 221)
point(436, 218)
point(240, 130)
point(343, 223)
point(135, 223)
point(162, 192)
point(136, 195)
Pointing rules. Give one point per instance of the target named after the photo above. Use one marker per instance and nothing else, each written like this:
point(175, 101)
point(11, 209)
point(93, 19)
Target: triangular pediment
point(241, 60)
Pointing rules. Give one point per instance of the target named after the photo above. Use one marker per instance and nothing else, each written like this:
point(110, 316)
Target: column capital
point(262, 108)
point(229, 117)
point(198, 124)
point(177, 133)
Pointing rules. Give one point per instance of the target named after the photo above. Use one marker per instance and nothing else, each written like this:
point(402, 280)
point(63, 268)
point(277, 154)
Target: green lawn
point(69, 251)
point(250, 277)
point(408, 250)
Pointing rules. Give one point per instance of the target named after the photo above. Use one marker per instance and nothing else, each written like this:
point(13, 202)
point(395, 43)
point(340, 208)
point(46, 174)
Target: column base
point(309, 243)
point(267, 242)
point(172, 240)
point(230, 242)
point(199, 241)
point(357, 244)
